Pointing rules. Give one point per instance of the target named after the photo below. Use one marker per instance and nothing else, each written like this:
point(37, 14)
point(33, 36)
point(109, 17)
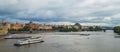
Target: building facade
point(17, 26)
point(4, 26)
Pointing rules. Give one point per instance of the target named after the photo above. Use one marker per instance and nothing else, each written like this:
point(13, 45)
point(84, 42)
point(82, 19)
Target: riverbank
point(27, 32)
point(35, 32)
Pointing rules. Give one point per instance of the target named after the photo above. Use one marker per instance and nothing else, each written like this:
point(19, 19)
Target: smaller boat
point(17, 37)
point(28, 41)
point(117, 36)
point(85, 34)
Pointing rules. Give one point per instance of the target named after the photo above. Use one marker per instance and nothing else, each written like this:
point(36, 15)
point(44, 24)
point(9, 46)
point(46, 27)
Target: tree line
point(117, 29)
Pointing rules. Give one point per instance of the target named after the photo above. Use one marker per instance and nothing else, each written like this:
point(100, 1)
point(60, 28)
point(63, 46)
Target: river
point(67, 42)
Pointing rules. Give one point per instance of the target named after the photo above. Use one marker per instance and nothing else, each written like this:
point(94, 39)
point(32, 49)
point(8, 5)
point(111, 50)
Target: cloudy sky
point(86, 12)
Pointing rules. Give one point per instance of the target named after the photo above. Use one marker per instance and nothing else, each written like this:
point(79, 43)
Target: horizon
point(85, 12)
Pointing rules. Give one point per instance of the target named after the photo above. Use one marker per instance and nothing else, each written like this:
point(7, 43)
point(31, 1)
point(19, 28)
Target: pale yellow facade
point(4, 28)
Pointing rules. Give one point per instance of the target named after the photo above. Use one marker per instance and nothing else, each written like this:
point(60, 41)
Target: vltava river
point(67, 42)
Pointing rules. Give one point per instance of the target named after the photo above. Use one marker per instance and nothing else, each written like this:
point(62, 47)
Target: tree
point(117, 29)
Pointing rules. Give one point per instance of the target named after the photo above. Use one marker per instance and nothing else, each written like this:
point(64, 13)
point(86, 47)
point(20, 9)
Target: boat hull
point(17, 44)
point(17, 38)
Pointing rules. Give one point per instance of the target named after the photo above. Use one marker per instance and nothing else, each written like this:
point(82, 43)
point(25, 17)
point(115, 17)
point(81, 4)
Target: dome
point(77, 24)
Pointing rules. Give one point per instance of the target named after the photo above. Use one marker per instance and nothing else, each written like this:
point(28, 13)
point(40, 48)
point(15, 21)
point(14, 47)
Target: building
point(4, 26)
point(77, 26)
point(84, 27)
point(16, 26)
point(33, 26)
point(47, 27)
point(67, 26)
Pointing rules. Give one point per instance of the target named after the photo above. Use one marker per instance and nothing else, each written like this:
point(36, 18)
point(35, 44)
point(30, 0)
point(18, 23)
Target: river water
point(67, 42)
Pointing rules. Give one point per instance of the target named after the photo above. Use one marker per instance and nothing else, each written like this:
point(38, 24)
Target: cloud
point(72, 11)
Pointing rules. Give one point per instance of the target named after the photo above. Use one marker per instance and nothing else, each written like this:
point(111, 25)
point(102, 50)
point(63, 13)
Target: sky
point(85, 12)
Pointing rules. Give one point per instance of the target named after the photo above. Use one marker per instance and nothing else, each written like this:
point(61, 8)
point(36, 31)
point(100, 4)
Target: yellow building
point(4, 28)
point(47, 27)
point(16, 26)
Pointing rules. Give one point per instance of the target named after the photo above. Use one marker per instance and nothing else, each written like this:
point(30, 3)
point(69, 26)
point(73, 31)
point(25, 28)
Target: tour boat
point(17, 37)
point(28, 41)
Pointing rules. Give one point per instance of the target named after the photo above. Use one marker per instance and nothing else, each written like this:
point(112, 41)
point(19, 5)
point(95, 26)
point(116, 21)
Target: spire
point(30, 22)
point(16, 22)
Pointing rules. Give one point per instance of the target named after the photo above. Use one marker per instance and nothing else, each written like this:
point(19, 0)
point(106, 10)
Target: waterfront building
point(47, 27)
point(16, 26)
point(67, 26)
point(77, 26)
point(35, 26)
point(84, 27)
point(4, 26)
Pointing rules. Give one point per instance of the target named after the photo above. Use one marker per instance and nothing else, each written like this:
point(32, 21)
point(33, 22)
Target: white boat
point(17, 36)
point(28, 41)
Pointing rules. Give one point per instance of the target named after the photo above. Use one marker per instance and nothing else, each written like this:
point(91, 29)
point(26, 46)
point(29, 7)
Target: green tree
point(117, 29)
